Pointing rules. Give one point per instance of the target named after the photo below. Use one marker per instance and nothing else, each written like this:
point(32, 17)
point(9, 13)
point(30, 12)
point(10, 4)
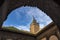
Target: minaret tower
point(34, 27)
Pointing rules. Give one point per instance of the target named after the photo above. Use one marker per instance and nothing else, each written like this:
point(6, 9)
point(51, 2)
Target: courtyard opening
point(22, 18)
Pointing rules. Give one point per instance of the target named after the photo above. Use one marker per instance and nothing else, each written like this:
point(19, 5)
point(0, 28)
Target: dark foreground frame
point(50, 7)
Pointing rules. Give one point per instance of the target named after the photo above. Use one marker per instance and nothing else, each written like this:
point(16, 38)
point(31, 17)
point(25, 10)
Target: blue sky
point(21, 18)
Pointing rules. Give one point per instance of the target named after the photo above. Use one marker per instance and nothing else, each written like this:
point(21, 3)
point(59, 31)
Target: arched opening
point(44, 38)
point(22, 17)
point(49, 6)
point(53, 37)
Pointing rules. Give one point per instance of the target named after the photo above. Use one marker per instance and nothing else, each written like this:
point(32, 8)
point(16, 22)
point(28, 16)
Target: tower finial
point(34, 20)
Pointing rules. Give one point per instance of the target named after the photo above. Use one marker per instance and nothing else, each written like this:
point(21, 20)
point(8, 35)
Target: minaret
point(34, 27)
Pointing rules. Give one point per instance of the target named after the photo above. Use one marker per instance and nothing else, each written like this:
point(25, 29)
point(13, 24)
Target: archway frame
point(48, 6)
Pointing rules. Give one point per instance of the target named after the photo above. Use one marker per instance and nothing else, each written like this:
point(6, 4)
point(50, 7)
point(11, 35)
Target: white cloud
point(26, 28)
point(40, 16)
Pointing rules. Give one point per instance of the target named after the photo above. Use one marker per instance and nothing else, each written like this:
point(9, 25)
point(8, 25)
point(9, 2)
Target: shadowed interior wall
point(14, 36)
point(46, 35)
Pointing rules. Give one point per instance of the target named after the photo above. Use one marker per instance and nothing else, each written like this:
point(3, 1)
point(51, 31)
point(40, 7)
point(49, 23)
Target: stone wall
point(50, 34)
point(5, 35)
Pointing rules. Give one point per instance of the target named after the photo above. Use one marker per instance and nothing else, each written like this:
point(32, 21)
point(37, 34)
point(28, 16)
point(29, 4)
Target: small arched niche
point(53, 37)
point(9, 39)
point(22, 17)
point(44, 38)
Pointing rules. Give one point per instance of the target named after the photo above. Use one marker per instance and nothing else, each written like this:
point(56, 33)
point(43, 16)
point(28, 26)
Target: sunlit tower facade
point(34, 26)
